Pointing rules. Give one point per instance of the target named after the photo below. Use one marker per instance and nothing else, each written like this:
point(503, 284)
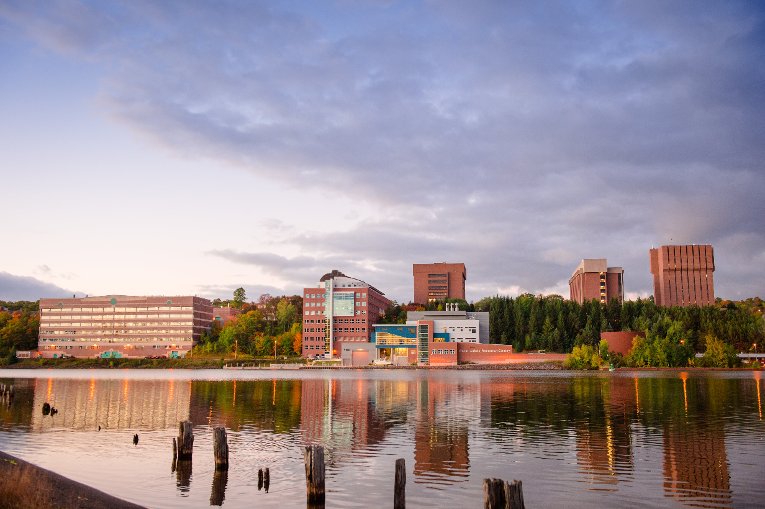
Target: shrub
point(718, 354)
point(583, 357)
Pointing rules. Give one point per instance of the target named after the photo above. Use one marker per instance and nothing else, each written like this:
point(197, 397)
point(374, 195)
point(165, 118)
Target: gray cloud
point(517, 137)
point(15, 288)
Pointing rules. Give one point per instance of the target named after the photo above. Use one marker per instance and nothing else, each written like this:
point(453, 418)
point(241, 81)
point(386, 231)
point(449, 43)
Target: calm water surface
point(627, 439)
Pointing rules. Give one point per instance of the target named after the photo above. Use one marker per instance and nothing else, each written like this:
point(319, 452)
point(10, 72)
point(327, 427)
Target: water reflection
point(577, 434)
point(110, 404)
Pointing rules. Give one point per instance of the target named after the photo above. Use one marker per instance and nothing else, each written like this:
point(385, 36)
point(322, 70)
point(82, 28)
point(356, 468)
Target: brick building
point(683, 275)
point(121, 326)
point(223, 315)
point(338, 311)
point(438, 281)
point(594, 280)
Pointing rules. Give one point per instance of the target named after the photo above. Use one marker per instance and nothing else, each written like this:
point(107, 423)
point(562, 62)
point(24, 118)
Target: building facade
point(337, 311)
point(223, 315)
point(121, 326)
point(593, 279)
point(683, 275)
point(438, 281)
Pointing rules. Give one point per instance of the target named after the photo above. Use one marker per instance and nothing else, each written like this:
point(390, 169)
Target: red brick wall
point(620, 341)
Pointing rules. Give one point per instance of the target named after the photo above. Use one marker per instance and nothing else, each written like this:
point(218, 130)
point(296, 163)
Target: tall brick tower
point(683, 275)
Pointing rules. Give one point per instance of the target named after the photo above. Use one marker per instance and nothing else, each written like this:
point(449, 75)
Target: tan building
point(594, 280)
point(683, 275)
point(438, 281)
point(116, 326)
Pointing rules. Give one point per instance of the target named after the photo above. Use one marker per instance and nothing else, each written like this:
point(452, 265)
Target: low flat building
point(223, 315)
point(116, 326)
point(463, 326)
point(594, 280)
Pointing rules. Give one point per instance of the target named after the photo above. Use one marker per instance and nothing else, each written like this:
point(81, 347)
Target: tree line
point(269, 327)
point(533, 322)
point(19, 328)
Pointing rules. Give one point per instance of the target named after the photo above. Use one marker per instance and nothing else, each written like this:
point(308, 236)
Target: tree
point(718, 354)
point(240, 295)
point(286, 314)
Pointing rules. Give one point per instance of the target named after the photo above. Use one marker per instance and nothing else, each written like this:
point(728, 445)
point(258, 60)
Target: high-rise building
point(438, 281)
point(121, 326)
point(594, 280)
point(682, 275)
point(339, 310)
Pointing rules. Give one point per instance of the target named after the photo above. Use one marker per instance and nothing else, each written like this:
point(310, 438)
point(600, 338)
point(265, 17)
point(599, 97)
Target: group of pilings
point(6, 394)
point(497, 493)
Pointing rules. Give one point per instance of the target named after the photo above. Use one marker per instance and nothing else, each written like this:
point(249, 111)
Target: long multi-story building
point(683, 275)
point(340, 310)
point(438, 281)
point(593, 279)
point(122, 326)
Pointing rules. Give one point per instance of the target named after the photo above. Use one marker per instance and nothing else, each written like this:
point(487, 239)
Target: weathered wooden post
point(260, 479)
point(267, 480)
point(399, 485)
point(220, 448)
point(514, 495)
point(499, 494)
point(46, 408)
point(185, 440)
point(314, 474)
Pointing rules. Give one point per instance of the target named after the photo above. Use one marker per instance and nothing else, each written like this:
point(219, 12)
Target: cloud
point(516, 137)
point(13, 288)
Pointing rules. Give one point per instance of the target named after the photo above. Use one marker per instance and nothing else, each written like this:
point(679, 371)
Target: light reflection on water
point(642, 439)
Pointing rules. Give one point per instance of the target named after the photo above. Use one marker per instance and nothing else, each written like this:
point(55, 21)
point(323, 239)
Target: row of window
point(439, 351)
point(121, 340)
point(110, 317)
point(96, 332)
point(118, 309)
point(112, 325)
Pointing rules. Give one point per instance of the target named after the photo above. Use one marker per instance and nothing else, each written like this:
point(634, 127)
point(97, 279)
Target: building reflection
point(441, 448)
point(340, 414)
point(696, 466)
point(111, 404)
point(604, 439)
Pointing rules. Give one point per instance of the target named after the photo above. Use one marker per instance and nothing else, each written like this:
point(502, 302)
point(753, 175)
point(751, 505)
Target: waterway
point(623, 439)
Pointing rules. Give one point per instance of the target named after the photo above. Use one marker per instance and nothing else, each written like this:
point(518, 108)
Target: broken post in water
point(499, 494)
point(220, 448)
point(267, 480)
point(314, 474)
point(185, 440)
point(399, 485)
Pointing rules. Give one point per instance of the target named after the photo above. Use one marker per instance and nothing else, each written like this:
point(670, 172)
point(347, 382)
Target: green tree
point(240, 295)
point(286, 314)
point(718, 354)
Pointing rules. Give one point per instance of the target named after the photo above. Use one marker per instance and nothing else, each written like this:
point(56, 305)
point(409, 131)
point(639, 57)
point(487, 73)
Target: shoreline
point(265, 365)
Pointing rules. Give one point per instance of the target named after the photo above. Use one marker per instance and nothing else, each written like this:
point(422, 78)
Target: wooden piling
point(267, 479)
point(399, 485)
point(314, 474)
point(260, 479)
point(185, 440)
point(514, 495)
point(499, 494)
point(220, 448)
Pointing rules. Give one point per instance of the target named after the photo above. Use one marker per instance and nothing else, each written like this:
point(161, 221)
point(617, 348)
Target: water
point(632, 439)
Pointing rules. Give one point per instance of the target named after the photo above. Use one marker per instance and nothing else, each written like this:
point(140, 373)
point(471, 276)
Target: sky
point(174, 148)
